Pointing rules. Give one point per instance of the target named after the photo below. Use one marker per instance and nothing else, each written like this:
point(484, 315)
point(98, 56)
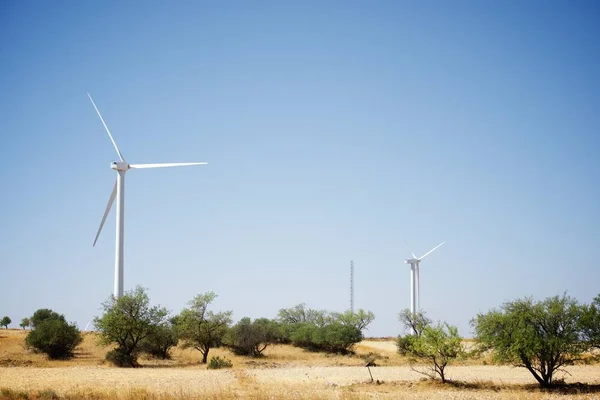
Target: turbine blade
point(163, 165)
point(430, 251)
point(107, 131)
point(413, 254)
point(110, 202)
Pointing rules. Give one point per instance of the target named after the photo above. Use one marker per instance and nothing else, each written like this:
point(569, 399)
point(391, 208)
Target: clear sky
point(334, 131)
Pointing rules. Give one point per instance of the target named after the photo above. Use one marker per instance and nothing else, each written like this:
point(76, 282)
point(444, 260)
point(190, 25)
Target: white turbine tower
point(414, 278)
point(119, 192)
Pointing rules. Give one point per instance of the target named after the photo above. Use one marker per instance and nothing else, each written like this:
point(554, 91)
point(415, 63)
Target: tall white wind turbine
point(414, 278)
point(119, 192)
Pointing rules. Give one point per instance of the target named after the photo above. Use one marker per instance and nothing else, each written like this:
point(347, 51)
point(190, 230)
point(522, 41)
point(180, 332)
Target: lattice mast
point(352, 286)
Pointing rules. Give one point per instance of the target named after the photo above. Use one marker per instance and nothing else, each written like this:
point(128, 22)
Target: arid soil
point(194, 380)
point(285, 372)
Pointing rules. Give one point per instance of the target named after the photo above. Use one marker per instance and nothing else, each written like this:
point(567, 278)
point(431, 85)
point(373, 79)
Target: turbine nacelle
point(412, 261)
point(119, 166)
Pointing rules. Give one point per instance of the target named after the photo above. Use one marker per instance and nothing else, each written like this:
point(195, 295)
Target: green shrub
point(436, 346)
point(127, 322)
point(321, 330)
point(248, 338)
point(159, 343)
point(54, 337)
point(43, 314)
point(334, 337)
point(120, 358)
point(218, 363)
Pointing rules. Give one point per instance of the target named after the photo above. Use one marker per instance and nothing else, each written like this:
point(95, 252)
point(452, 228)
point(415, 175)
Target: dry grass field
point(284, 373)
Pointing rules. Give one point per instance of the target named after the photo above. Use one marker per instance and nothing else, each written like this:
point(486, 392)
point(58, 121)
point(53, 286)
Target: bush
point(200, 328)
point(5, 322)
point(435, 345)
point(54, 337)
point(160, 342)
point(120, 358)
point(590, 323)
point(43, 314)
point(127, 322)
point(218, 363)
point(334, 337)
point(248, 338)
point(301, 335)
point(541, 336)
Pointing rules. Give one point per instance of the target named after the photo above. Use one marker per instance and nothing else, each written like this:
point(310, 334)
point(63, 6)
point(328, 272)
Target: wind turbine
point(119, 192)
point(414, 278)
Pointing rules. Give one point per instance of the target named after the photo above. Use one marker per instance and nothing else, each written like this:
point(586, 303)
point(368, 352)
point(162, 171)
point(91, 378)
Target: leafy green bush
point(338, 338)
point(541, 336)
point(54, 337)
point(127, 322)
point(200, 328)
point(159, 343)
point(5, 322)
point(248, 338)
point(218, 363)
point(120, 358)
point(436, 346)
point(301, 335)
point(333, 337)
point(43, 314)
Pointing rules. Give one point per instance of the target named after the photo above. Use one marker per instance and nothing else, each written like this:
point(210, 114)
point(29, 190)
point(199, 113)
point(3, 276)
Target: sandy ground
point(182, 380)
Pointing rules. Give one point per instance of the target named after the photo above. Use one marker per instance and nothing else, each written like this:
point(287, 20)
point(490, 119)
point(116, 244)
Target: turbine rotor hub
point(119, 166)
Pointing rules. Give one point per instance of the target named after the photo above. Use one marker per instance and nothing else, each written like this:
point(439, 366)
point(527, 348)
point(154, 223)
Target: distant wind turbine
point(414, 262)
point(119, 192)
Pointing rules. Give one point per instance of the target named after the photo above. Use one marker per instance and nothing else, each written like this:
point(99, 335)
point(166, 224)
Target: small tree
point(360, 319)
point(25, 323)
point(300, 314)
point(321, 330)
point(249, 338)
point(416, 323)
point(539, 336)
point(127, 322)
point(590, 323)
point(43, 314)
point(201, 329)
point(436, 345)
point(159, 343)
point(5, 321)
point(336, 337)
point(54, 337)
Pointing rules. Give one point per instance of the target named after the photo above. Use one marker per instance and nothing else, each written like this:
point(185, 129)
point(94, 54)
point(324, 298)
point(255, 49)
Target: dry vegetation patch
point(285, 372)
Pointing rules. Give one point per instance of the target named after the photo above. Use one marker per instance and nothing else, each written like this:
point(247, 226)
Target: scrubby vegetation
point(541, 336)
point(25, 323)
point(5, 322)
point(435, 345)
point(53, 335)
point(128, 322)
point(218, 363)
point(200, 328)
point(590, 323)
point(251, 338)
point(161, 340)
point(321, 330)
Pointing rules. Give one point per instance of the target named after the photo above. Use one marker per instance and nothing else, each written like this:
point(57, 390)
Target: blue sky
point(333, 131)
